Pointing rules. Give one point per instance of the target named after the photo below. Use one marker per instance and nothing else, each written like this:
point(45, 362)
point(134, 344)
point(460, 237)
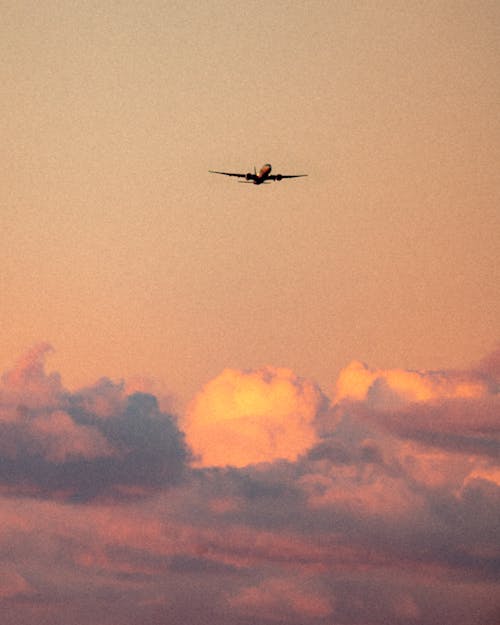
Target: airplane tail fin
point(255, 170)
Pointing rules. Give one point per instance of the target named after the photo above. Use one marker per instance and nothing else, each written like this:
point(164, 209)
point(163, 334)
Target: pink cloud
point(12, 583)
point(63, 439)
point(28, 383)
point(281, 598)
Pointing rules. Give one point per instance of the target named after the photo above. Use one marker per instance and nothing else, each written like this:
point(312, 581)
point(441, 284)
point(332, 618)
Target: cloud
point(380, 506)
point(12, 583)
point(392, 388)
point(27, 384)
point(283, 599)
point(98, 441)
point(258, 416)
point(61, 439)
point(489, 367)
point(453, 410)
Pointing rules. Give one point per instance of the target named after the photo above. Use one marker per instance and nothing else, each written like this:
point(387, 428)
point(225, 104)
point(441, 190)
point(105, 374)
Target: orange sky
point(275, 404)
point(120, 250)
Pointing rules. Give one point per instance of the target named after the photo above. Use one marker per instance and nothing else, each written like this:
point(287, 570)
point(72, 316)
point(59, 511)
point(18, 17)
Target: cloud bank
point(378, 505)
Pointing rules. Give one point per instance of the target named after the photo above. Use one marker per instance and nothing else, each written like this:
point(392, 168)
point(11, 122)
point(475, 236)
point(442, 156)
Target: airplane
point(263, 177)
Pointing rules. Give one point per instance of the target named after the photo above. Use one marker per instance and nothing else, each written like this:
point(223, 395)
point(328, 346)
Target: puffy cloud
point(248, 417)
point(452, 410)
point(61, 438)
point(28, 384)
point(97, 441)
point(104, 399)
point(394, 387)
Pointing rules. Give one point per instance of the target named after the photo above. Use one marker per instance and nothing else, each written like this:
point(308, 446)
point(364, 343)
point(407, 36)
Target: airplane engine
point(249, 176)
point(279, 177)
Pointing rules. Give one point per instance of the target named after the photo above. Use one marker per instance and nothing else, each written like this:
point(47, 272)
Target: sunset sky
point(223, 403)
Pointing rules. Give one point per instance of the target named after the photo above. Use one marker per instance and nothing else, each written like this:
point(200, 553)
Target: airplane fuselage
point(262, 176)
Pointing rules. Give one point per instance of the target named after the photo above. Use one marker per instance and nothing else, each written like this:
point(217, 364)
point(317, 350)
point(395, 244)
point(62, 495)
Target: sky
point(241, 404)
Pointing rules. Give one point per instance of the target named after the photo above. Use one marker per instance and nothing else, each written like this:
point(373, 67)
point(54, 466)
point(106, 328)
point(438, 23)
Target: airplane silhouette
point(264, 175)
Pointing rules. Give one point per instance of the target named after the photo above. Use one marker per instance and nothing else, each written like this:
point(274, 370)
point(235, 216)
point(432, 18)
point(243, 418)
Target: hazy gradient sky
point(205, 444)
point(124, 253)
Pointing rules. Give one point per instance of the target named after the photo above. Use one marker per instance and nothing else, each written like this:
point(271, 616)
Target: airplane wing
point(280, 176)
point(226, 173)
